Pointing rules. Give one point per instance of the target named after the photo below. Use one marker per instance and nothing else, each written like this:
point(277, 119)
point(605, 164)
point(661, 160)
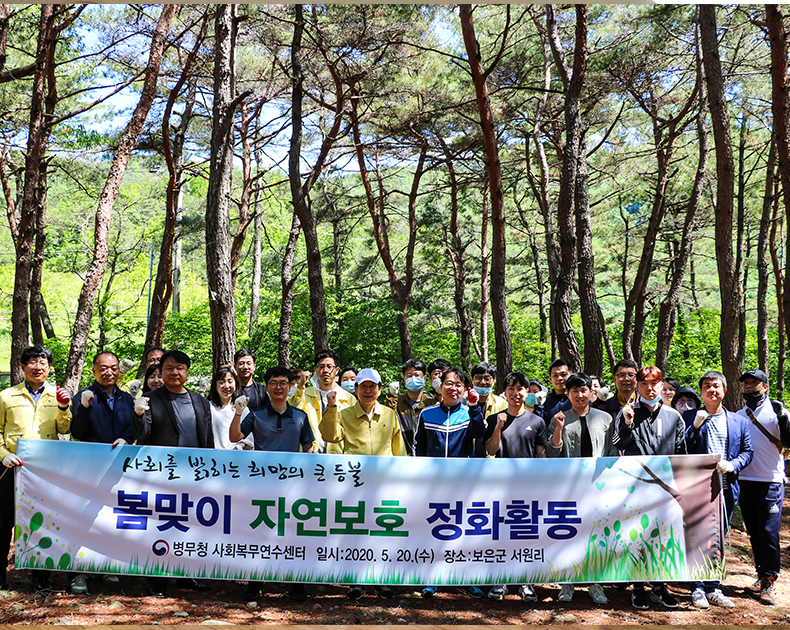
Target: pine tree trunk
point(218, 263)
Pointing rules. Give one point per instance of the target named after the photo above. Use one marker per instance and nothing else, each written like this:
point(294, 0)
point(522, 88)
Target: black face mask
point(752, 397)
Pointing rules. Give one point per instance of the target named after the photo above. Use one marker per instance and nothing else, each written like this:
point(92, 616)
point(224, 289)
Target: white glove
point(700, 418)
point(86, 398)
point(11, 460)
point(724, 466)
point(603, 394)
point(394, 388)
point(125, 365)
point(628, 415)
point(119, 442)
point(134, 387)
point(204, 384)
point(64, 437)
point(241, 404)
point(540, 397)
point(141, 405)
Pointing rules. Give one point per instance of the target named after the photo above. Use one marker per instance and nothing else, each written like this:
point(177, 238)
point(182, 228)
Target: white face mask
point(647, 401)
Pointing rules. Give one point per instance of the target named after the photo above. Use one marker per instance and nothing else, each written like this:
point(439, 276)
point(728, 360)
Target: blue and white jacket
point(448, 431)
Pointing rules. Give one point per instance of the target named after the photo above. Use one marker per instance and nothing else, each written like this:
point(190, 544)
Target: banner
point(299, 517)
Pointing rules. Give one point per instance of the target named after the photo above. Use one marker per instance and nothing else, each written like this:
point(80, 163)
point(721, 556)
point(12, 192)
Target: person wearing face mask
point(685, 399)
point(648, 427)
point(763, 481)
point(435, 370)
point(483, 381)
point(346, 378)
point(714, 430)
point(410, 403)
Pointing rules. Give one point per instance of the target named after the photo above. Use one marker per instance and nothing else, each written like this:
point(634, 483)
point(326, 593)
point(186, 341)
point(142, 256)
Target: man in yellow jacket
point(34, 410)
point(365, 428)
point(313, 399)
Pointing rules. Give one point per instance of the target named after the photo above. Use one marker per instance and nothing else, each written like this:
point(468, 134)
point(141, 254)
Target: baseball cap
point(368, 374)
point(758, 374)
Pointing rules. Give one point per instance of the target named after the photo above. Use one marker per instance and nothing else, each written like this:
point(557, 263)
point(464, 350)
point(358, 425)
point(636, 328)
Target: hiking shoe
point(498, 592)
point(79, 585)
point(355, 592)
point(527, 593)
point(472, 591)
point(566, 593)
point(428, 592)
point(720, 599)
point(698, 598)
point(597, 594)
point(384, 591)
point(110, 579)
point(662, 596)
point(639, 599)
point(767, 594)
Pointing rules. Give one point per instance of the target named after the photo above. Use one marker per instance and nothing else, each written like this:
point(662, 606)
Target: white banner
point(290, 517)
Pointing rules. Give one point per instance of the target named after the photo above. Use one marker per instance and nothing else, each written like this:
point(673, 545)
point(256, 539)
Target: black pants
point(761, 506)
point(709, 586)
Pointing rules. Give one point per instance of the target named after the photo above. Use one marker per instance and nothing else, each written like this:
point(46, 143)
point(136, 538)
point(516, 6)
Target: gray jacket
point(600, 425)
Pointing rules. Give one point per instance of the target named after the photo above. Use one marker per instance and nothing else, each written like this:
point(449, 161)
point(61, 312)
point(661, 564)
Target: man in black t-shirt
point(515, 433)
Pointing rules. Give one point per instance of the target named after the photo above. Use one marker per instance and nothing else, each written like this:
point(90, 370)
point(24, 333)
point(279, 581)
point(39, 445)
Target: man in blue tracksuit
point(449, 429)
point(713, 430)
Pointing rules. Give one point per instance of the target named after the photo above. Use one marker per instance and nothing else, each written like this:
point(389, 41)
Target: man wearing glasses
point(313, 400)
point(276, 427)
point(625, 387)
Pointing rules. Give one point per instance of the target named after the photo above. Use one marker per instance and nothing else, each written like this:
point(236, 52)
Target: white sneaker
point(566, 593)
point(597, 594)
point(110, 579)
point(527, 593)
point(720, 599)
point(698, 598)
point(79, 585)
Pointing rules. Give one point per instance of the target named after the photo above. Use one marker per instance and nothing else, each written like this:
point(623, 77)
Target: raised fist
point(141, 405)
point(540, 397)
point(330, 398)
point(303, 378)
point(472, 396)
point(11, 460)
point(240, 404)
point(700, 418)
point(628, 415)
point(125, 365)
point(86, 398)
point(559, 418)
point(394, 388)
point(62, 396)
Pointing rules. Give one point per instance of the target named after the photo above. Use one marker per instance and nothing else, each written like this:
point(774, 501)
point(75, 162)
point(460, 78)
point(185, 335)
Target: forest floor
point(129, 603)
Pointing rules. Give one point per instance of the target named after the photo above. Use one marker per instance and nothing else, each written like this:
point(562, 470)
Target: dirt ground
point(129, 603)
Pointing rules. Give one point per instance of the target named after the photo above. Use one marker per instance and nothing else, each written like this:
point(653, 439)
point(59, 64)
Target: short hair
point(559, 363)
point(150, 350)
point(484, 368)
point(439, 364)
point(177, 356)
point(712, 375)
point(516, 378)
point(101, 354)
point(276, 371)
point(672, 383)
point(459, 373)
point(35, 352)
point(213, 394)
point(626, 363)
point(414, 364)
point(148, 372)
point(326, 353)
point(579, 379)
point(348, 368)
point(650, 371)
point(240, 354)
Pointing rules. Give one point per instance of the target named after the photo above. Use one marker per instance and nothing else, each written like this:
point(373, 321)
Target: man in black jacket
point(244, 362)
point(173, 416)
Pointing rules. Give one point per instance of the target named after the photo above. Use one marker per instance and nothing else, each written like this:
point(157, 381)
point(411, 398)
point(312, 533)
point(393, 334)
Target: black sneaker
point(662, 596)
point(355, 592)
point(385, 592)
point(639, 599)
point(253, 591)
point(767, 593)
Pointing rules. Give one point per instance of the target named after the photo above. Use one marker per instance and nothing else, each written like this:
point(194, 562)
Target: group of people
point(442, 412)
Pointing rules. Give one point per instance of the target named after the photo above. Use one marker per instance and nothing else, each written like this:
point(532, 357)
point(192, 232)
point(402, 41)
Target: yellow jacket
point(309, 401)
point(20, 417)
point(494, 404)
point(378, 435)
